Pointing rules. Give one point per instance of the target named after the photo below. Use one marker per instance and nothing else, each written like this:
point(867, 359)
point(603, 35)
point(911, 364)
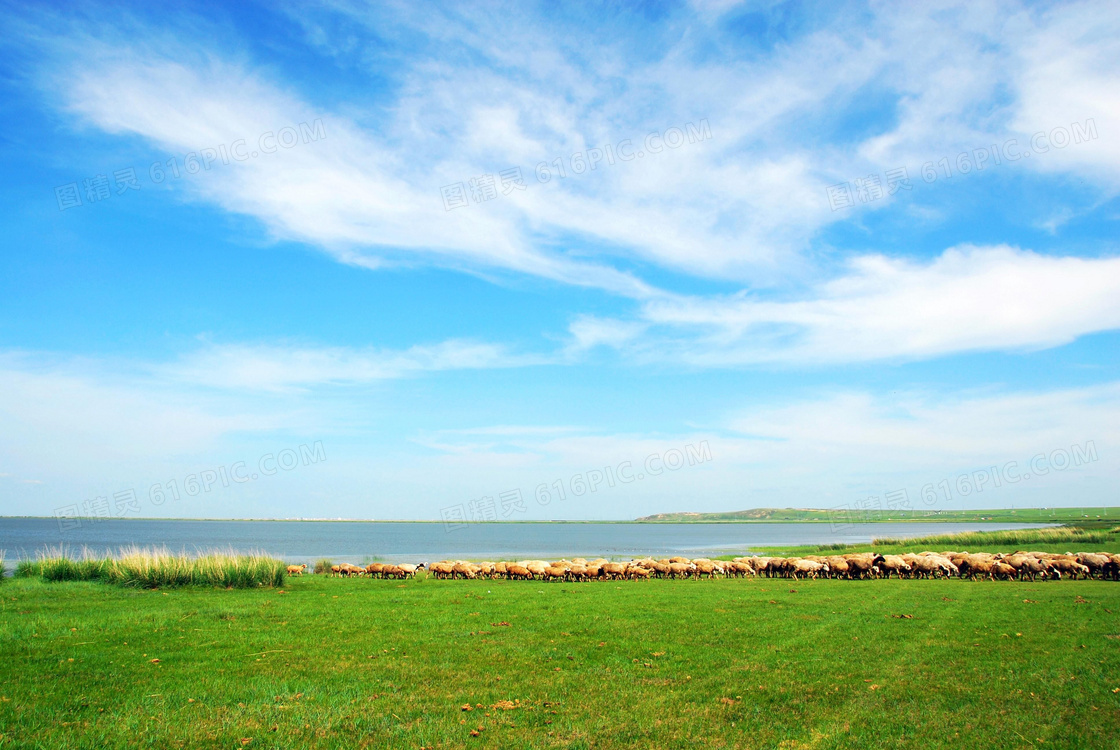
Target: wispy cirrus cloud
point(967, 299)
point(745, 208)
point(272, 367)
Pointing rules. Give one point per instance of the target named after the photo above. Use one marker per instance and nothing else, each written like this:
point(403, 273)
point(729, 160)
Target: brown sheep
point(1027, 566)
point(1112, 568)
point(1072, 568)
point(679, 570)
point(892, 564)
point(614, 571)
point(1094, 562)
point(296, 570)
point(957, 558)
point(555, 573)
point(974, 565)
point(518, 571)
point(838, 567)
point(409, 570)
point(705, 568)
point(862, 567)
point(464, 570)
point(1004, 571)
point(740, 569)
point(932, 566)
point(637, 572)
point(758, 563)
point(441, 570)
point(802, 568)
point(776, 566)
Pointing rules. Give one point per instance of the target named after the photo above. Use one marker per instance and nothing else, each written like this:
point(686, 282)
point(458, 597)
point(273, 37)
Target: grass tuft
point(28, 569)
point(323, 566)
point(141, 567)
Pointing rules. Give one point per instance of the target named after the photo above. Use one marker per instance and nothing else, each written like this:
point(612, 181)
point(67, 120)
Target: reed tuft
point(146, 567)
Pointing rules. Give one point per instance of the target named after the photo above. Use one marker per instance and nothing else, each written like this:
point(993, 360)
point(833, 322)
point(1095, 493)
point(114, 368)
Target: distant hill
point(753, 514)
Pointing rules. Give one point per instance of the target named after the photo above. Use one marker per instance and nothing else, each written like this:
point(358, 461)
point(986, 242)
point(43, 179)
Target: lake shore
point(364, 542)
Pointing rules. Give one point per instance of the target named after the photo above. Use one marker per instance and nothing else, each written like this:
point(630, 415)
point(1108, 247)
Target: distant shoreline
point(1018, 515)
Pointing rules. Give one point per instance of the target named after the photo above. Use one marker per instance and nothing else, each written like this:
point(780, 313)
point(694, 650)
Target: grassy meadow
point(360, 663)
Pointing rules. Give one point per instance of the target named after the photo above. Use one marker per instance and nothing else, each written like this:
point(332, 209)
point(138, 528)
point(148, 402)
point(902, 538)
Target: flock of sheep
point(376, 570)
point(1014, 566)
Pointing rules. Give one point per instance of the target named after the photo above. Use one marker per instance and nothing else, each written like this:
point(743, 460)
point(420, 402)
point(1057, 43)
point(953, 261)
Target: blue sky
point(745, 269)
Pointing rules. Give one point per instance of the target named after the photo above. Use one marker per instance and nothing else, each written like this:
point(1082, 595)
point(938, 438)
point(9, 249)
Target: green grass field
point(338, 663)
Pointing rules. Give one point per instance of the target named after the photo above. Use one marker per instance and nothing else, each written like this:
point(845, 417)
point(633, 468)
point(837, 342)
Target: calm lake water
point(350, 541)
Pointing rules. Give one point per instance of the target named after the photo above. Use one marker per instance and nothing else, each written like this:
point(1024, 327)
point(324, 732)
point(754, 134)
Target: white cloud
point(350, 192)
point(967, 299)
point(735, 204)
point(913, 430)
point(857, 440)
point(485, 89)
point(1067, 71)
point(96, 428)
point(818, 452)
point(108, 407)
point(745, 205)
point(71, 416)
point(277, 368)
point(589, 332)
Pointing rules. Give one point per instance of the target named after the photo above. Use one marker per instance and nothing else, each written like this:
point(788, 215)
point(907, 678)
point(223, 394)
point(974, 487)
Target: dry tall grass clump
point(144, 567)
